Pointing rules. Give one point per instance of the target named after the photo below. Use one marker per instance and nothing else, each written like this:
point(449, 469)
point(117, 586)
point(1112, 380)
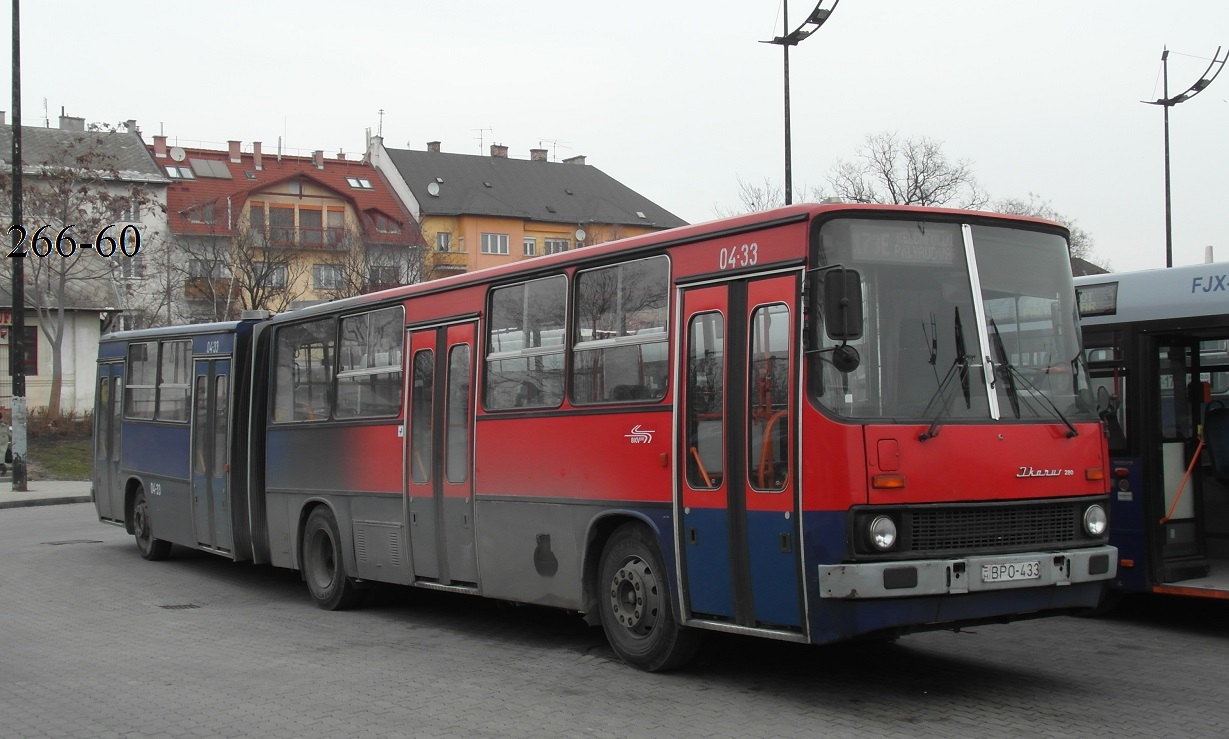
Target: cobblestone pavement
point(96, 642)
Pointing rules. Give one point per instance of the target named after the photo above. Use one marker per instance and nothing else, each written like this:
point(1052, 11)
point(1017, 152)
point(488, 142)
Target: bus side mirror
point(843, 304)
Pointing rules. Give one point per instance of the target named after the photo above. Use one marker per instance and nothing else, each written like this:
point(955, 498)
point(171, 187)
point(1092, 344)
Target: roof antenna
point(481, 140)
point(380, 129)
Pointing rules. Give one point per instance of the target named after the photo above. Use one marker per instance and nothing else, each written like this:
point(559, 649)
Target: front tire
point(324, 567)
point(634, 604)
point(151, 548)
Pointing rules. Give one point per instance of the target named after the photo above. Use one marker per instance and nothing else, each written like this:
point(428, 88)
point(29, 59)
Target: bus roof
point(192, 329)
point(1198, 290)
point(657, 240)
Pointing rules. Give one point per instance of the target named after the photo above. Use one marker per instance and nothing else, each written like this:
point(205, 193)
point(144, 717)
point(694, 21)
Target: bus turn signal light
point(1094, 473)
point(887, 482)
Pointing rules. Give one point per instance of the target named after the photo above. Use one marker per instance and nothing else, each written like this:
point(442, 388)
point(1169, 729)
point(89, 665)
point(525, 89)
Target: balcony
point(449, 261)
point(324, 239)
point(206, 288)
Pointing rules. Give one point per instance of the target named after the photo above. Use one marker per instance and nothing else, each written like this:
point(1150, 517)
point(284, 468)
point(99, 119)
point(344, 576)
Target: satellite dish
point(580, 234)
point(178, 154)
point(433, 189)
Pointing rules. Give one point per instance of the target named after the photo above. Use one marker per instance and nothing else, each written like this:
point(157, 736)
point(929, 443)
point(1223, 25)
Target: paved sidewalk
point(44, 492)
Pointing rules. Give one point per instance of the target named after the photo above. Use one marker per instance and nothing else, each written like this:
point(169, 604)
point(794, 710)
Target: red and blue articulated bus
point(814, 424)
point(1158, 350)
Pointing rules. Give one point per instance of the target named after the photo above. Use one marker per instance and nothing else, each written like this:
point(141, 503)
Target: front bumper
point(909, 578)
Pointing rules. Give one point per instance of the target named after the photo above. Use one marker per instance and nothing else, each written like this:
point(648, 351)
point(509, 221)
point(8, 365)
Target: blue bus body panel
point(774, 569)
point(1127, 525)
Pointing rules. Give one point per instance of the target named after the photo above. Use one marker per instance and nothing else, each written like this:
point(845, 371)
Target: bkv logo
point(639, 435)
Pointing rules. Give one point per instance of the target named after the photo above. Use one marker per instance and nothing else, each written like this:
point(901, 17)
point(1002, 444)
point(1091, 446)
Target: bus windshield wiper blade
point(1010, 374)
point(959, 365)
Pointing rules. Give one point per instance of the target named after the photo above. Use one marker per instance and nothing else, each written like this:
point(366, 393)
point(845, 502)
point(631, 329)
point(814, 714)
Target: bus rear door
point(108, 485)
point(738, 532)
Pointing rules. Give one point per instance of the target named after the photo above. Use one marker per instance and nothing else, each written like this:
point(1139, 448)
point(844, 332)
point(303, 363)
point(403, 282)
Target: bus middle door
point(210, 461)
point(440, 489)
point(738, 532)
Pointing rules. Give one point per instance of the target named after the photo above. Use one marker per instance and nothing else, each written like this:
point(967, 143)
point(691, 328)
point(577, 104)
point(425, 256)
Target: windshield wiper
point(1009, 374)
point(959, 365)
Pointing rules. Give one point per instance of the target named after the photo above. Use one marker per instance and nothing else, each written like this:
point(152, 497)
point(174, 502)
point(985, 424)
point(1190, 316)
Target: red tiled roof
point(185, 194)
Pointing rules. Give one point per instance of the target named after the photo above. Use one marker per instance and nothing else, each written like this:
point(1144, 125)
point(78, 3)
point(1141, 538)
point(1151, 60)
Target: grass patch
point(58, 458)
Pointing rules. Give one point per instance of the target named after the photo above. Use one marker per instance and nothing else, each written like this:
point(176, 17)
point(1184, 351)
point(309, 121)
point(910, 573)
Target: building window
point(207, 269)
point(336, 226)
point(443, 241)
point(554, 246)
point(326, 276)
point(383, 276)
point(130, 268)
point(311, 226)
point(270, 274)
point(256, 223)
point(494, 243)
point(180, 173)
point(360, 183)
point(281, 224)
point(530, 245)
point(386, 225)
point(201, 213)
point(294, 187)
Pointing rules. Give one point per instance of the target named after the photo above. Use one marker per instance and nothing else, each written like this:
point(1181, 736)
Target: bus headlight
point(882, 533)
point(1095, 520)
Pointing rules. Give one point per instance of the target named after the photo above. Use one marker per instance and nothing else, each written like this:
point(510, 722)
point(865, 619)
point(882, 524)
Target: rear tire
point(151, 548)
point(633, 597)
point(324, 568)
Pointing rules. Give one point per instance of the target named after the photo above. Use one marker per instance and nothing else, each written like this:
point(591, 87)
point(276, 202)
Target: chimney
point(131, 125)
point(234, 150)
point(537, 155)
point(433, 146)
point(579, 159)
point(256, 156)
point(341, 155)
point(72, 123)
point(318, 159)
point(160, 147)
point(499, 150)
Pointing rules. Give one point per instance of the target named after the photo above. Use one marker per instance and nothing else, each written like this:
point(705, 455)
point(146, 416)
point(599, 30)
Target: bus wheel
point(634, 603)
point(150, 548)
point(323, 566)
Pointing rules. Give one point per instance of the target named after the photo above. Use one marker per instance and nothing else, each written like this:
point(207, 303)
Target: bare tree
point(361, 266)
point(77, 192)
point(757, 197)
point(912, 171)
point(223, 271)
point(1082, 246)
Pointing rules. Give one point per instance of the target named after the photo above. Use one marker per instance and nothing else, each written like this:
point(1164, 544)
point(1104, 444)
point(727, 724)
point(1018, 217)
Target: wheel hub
point(633, 597)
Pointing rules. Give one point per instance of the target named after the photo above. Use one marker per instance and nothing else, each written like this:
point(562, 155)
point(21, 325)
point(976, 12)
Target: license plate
point(1009, 571)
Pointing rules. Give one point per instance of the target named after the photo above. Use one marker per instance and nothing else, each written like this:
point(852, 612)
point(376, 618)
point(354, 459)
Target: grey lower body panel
point(909, 578)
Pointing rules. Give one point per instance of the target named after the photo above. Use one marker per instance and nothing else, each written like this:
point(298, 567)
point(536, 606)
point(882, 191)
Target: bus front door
point(210, 460)
point(439, 443)
point(108, 415)
point(1181, 528)
point(738, 533)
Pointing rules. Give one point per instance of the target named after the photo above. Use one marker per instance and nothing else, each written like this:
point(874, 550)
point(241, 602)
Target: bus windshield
point(930, 348)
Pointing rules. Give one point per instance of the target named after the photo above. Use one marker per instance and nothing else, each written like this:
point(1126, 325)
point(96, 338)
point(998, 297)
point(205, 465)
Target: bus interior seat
point(629, 392)
point(1216, 437)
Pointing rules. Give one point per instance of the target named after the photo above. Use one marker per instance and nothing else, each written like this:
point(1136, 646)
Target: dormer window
point(180, 173)
point(360, 183)
point(386, 225)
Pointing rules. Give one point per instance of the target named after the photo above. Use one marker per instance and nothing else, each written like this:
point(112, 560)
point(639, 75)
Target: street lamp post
point(793, 38)
point(1167, 102)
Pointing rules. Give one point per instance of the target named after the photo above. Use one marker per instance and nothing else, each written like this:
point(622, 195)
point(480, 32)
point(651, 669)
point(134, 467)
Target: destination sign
point(905, 242)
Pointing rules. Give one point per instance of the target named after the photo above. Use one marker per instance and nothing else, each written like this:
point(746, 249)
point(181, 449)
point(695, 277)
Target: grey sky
point(677, 99)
